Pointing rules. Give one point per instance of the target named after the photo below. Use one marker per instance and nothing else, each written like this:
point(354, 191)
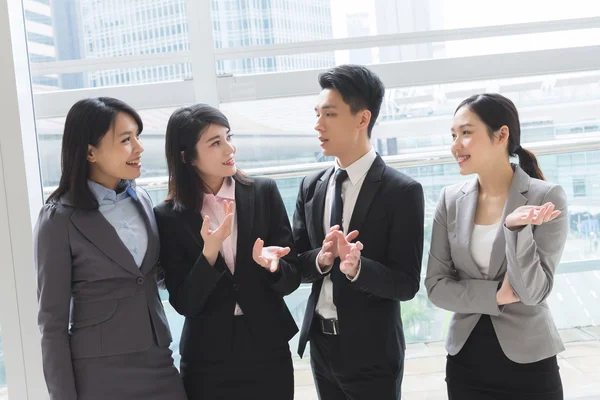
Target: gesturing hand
point(213, 240)
point(268, 257)
point(534, 215)
point(329, 250)
point(349, 253)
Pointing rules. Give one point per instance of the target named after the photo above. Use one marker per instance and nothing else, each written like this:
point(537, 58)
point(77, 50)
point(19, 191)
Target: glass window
point(3, 389)
point(79, 29)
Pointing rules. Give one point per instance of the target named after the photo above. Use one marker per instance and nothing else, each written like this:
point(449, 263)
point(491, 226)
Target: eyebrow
point(326, 107)
point(462, 126)
point(217, 136)
point(125, 133)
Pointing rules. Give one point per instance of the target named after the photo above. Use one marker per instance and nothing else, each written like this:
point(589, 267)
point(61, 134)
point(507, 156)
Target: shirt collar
point(227, 191)
point(126, 188)
point(359, 168)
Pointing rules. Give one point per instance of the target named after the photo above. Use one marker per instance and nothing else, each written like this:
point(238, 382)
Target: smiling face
point(118, 154)
point(472, 147)
point(215, 154)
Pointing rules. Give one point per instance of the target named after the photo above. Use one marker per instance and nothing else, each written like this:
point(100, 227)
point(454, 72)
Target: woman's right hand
point(213, 240)
point(506, 295)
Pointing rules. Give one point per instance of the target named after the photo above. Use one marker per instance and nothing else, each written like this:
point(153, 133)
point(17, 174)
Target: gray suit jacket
point(525, 330)
point(86, 276)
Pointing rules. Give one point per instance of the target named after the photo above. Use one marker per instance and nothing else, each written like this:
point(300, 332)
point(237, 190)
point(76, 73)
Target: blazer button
point(140, 281)
point(236, 287)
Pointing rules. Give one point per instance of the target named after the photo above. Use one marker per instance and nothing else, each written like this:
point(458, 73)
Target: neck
point(214, 184)
point(106, 181)
point(496, 180)
point(353, 155)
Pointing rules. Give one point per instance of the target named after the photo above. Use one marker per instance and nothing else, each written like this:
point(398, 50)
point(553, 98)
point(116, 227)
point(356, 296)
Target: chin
point(132, 175)
point(465, 171)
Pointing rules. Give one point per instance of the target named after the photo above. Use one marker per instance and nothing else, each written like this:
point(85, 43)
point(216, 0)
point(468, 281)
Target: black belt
point(328, 326)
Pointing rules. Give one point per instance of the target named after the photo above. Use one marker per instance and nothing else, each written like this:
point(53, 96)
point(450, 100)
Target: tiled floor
point(425, 365)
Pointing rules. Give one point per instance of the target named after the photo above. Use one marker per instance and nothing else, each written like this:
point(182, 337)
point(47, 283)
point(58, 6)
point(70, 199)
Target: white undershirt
point(482, 241)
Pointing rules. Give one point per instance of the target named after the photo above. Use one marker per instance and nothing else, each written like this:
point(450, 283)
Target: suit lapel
point(466, 205)
point(244, 206)
point(93, 225)
point(152, 252)
point(367, 194)
point(515, 199)
point(318, 206)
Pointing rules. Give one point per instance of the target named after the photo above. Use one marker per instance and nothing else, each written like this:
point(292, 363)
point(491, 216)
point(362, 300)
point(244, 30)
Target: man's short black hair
point(360, 88)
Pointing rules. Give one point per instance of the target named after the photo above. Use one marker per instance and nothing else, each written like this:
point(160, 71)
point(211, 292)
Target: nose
point(138, 146)
point(231, 146)
point(319, 125)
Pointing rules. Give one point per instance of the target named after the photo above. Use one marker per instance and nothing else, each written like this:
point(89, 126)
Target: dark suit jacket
point(206, 295)
point(87, 276)
point(389, 217)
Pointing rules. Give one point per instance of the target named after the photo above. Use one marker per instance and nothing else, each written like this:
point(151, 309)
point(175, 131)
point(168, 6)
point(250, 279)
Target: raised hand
point(329, 250)
point(213, 240)
point(268, 257)
point(506, 295)
point(349, 253)
point(534, 215)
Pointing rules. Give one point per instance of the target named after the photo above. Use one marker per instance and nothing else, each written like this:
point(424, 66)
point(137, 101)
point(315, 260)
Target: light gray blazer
point(88, 278)
point(525, 330)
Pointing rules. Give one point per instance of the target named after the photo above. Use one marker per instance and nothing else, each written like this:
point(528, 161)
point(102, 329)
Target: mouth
point(137, 163)
point(323, 141)
point(230, 162)
point(462, 159)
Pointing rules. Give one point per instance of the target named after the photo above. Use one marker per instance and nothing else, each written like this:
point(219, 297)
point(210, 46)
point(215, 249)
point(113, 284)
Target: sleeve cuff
point(357, 273)
point(319, 268)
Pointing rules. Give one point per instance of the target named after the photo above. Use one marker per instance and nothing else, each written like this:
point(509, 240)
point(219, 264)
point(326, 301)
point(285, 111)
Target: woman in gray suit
point(96, 255)
point(496, 243)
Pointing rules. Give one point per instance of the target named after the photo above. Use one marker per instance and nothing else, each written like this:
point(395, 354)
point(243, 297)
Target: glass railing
point(570, 163)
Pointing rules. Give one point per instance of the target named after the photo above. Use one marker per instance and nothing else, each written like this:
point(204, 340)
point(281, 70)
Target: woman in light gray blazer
point(96, 256)
point(496, 243)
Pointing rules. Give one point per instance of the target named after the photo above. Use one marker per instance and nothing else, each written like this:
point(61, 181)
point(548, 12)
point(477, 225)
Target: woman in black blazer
point(226, 252)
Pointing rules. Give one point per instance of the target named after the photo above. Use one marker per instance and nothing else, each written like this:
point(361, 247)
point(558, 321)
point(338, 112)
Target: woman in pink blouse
point(226, 250)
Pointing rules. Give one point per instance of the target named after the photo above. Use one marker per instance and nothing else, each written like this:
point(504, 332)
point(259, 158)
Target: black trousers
point(336, 381)
point(248, 373)
point(481, 371)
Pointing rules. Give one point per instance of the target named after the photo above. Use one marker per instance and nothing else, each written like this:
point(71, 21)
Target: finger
point(549, 212)
point(341, 238)
point(554, 215)
point(530, 215)
point(334, 228)
point(351, 236)
point(539, 219)
point(283, 252)
point(225, 228)
point(263, 261)
point(204, 231)
point(327, 246)
point(257, 250)
point(274, 264)
point(327, 258)
point(359, 245)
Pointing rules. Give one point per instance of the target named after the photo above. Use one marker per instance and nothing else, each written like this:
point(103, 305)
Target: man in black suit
point(353, 314)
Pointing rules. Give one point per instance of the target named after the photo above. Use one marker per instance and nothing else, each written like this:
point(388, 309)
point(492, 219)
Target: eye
point(453, 136)
point(215, 143)
point(229, 137)
point(125, 140)
point(466, 132)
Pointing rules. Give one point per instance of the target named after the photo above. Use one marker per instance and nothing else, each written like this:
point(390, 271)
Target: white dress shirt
point(350, 190)
point(482, 241)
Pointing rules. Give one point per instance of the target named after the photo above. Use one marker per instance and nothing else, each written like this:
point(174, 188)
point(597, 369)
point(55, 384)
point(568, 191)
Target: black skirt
point(248, 373)
point(482, 371)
